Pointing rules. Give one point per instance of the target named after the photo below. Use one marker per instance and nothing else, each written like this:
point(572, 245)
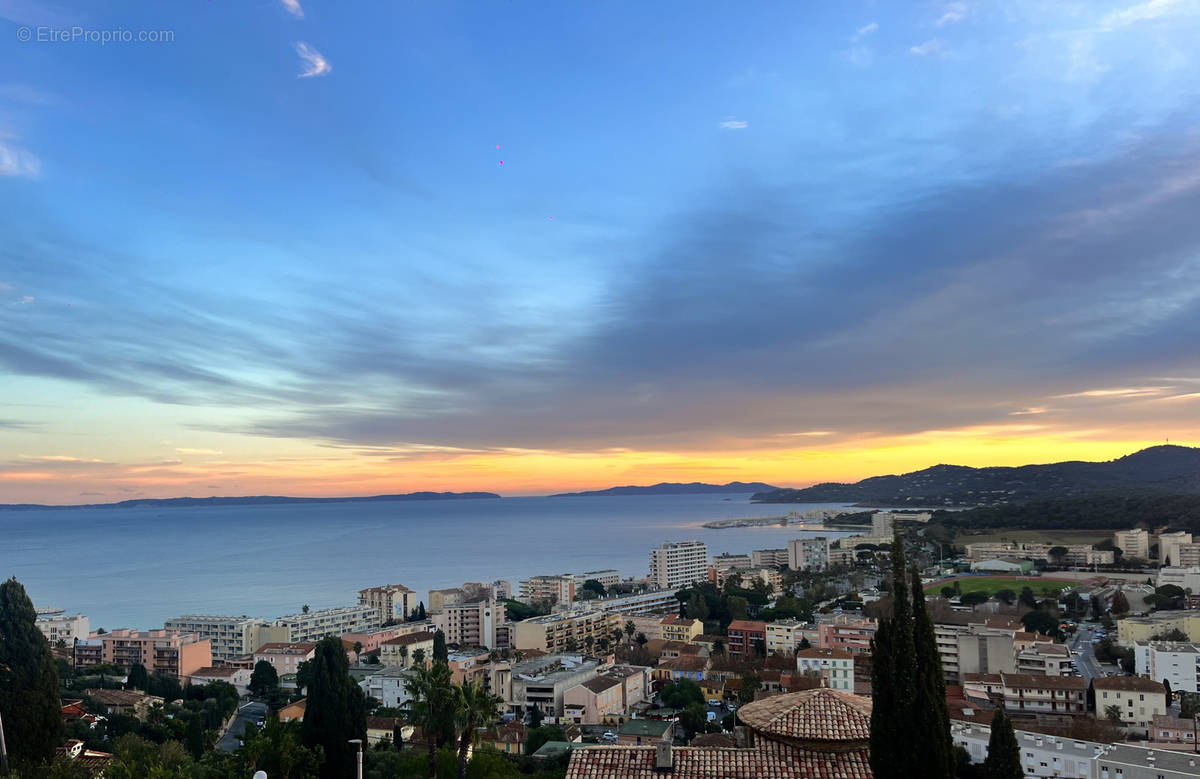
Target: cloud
point(864, 31)
point(25, 300)
point(58, 458)
point(734, 124)
point(293, 7)
point(952, 13)
point(313, 61)
point(16, 161)
point(1125, 392)
point(930, 48)
point(188, 450)
point(1149, 10)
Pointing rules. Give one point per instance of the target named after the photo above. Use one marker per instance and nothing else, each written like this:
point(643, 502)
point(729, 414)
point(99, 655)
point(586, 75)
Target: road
point(1089, 667)
point(247, 712)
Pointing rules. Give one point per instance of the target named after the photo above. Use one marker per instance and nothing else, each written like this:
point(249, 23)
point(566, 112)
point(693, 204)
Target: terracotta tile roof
point(383, 723)
point(1039, 682)
point(713, 740)
point(832, 654)
point(601, 683)
point(798, 682)
point(411, 638)
point(812, 715)
point(283, 648)
point(684, 663)
point(748, 626)
point(510, 732)
point(117, 697)
point(1128, 684)
point(982, 678)
point(771, 761)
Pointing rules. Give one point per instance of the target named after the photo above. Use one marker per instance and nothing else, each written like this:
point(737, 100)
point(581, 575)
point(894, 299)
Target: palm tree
point(419, 657)
point(432, 704)
point(477, 708)
point(630, 629)
point(403, 655)
point(588, 641)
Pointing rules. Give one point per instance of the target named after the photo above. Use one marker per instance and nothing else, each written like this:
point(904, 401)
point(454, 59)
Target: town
point(1086, 652)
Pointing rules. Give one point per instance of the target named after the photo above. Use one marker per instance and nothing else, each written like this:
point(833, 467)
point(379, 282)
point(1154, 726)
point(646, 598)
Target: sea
point(137, 567)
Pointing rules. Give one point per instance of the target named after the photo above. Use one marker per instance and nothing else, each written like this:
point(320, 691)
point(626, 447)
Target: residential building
point(382, 729)
point(835, 666)
point(565, 631)
point(468, 665)
point(1044, 658)
point(769, 558)
point(990, 646)
point(1077, 554)
point(723, 562)
point(785, 636)
point(1122, 761)
point(337, 621)
point(1165, 729)
point(1174, 662)
point(230, 637)
point(56, 625)
point(1130, 630)
point(844, 557)
point(883, 524)
point(285, 657)
point(401, 651)
point(168, 651)
point(293, 712)
point(594, 701)
point(652, 602)
point(746, 637)
point(1139, 700)
point(676, 628)
point(438, 599)
point(1168, 546)
point(1189, 555)
point(541, 682)
point(1042, 756)
point(1185, 578)
point(607, 577)
point(1029, 693)
point(474, 623)
point(853, 634)
point(372, 639)
point(693, 667)
point(678, 564)
point(749, 577)
point(388, 686)
point(238, 677)
point(808, 554)
point(1133, 543)
point(130, 702)
point(394, 601)
point(815, 733)
point(648, 625)
point(549, 589)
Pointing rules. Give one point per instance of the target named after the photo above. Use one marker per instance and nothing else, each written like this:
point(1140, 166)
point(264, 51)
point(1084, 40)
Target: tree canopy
point(29, 701)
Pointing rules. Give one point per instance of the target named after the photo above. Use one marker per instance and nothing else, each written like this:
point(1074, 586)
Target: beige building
point(808, 554)
point(476, 624)
point(769, 558)
point(651, 625)
point(566, 631)
point(167, 651)
point(784, 636)
point(238, 677)
point(230, 637)
point(594, 701)
point(678, 564)
point(1077, 554)
point(401, 651)
point(1130, 630)
point(677, 628)
point(549, 589)
point(439, 599)
point(1139, 700)
point(990, 647)
point(394, 601)
point(835, 666)
point(1133, 543)
point(1030, 693)
point(726, 561)
point(1189, 555)
point(1168, 546)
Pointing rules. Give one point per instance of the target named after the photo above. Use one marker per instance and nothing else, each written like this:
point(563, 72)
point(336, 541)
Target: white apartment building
point(1189, 555)
point(785, 636)
point(1186, 578)
point(388, 686)
point(1175, 662)
point(727, 561)
point(1077, 554)
point(473, 624)
point(1168, 546)
point(883, 523)
point(608, 577)
point(678, 564)
point(394, 601)
point(1042, 756)
point(652, 602)
point(835, 666)
point(808, 554)
point(549, 589)
point(230, 637)
point(1133, 543)
point(336, 621)
point(769, 558)
point(57, 626)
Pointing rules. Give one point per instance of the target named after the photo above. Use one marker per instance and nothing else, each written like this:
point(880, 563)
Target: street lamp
point(358, 741)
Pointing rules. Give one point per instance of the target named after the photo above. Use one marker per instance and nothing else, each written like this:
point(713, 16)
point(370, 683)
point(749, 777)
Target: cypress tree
point(335, 711)
point(895, 733)
point(29, 702)
point(1004, 754)
point(935, 747)
point(440, 652)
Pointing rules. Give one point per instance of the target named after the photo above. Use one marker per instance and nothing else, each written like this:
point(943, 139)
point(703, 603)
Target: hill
point(250, 500)
point(1156, 470)
point(675, 488)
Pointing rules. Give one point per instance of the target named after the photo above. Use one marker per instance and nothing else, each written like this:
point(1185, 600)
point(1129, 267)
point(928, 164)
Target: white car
point(713, 702)
point(609, 736)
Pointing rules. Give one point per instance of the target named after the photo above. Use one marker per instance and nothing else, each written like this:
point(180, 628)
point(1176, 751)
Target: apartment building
point(835, 666)
point(315, 625)
point(808, 554)
point(1045, 658)
point(726, 561)
point(1042, 756)
point(785, 636)
point(394, 601)
point(1168, 546)
point(1139, 700)
point(167, 651)
point(652, 602)
point(56, 625)
point(1133, 543)
point(549, 589)
point(371, 640)
point(993, 646)
point(541, 682)
point(1123, 761)
point(230, 637)
point(1131, 630)
point(1189, 555)
point(846, 557)
point(566, 631)
point(1077, 554)
point(746, 637)
point(1166, 729)
point(1175, 662)
point(749, 577)
point(401, 651)
point(439, 599)
point(285, 657)
point(769, 558)
point(608, 577)
point(1029, 693)
point(678, 564)
point(676, 628)
point(854, 634)
point(477, 624)
point(389, 686)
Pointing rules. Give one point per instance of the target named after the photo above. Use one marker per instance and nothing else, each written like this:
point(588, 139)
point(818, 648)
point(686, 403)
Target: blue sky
point(745, 237)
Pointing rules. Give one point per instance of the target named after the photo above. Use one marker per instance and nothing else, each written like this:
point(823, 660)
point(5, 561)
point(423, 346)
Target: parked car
point(609, 736)
point(713, 702)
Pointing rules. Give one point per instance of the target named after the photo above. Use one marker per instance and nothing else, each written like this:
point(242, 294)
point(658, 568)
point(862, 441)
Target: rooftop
point(601, 683)
point(411, 638)
point(813, 715)
point(1128, 684)
point(654, 728)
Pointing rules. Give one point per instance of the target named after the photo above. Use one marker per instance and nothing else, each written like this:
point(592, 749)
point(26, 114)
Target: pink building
point(853, 634)
point(168, 651)
point(745, 637)
point(371, 640)
point(286, 658)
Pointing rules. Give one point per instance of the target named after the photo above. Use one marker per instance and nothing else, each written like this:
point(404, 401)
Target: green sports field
point(1042, 586)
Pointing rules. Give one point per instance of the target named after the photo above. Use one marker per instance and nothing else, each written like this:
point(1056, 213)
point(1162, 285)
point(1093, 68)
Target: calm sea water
point(137, 567)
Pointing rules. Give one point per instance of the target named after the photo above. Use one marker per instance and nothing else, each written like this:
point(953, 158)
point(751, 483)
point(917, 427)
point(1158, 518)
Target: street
point(1089, 667)
point(247, 712)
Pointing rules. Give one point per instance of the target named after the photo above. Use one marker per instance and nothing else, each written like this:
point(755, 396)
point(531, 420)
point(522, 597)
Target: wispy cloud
point(188, 450)
point(934, 47)
point(16, 161)
point(313, 61)
point(1120, 392)
point(952, 13)
point(1148, 11)
point(57, 458)
point(812, 433)
point(864, 31)
point(734, 124)
point(293, 7)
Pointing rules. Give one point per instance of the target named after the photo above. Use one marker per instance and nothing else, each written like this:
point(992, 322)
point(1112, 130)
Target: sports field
point(1042, 586)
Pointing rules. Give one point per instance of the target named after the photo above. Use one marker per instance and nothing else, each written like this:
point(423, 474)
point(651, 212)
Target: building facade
point(285, 657)
point(785, 636)
point(678, 564)
point(167, 651)
point(1174, 662)
point(58, 626)
point(401, 651)
point(1138, 700)
point(315, 625)
point(230, 637)
point(853, 634)
point(549, 589)
point(394, 601)
point(1029, 693)
point(808, 554)
point(1133, 543)
point(1168, 546)
point(476, 624)
point(746, 637)
point(769, 558)
point(835, 666)
point(567, 631)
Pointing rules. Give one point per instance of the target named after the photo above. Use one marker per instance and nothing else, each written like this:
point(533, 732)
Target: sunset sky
point(780, 241)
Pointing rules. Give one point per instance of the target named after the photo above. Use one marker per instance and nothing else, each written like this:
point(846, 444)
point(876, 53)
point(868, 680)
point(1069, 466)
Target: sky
point(311, 247)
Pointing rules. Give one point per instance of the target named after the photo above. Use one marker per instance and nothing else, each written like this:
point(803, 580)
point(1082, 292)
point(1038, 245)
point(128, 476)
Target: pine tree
point(1004, 754)
point(935, 749)
point(29, 702)
point(137, 679)
point(335, 711)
